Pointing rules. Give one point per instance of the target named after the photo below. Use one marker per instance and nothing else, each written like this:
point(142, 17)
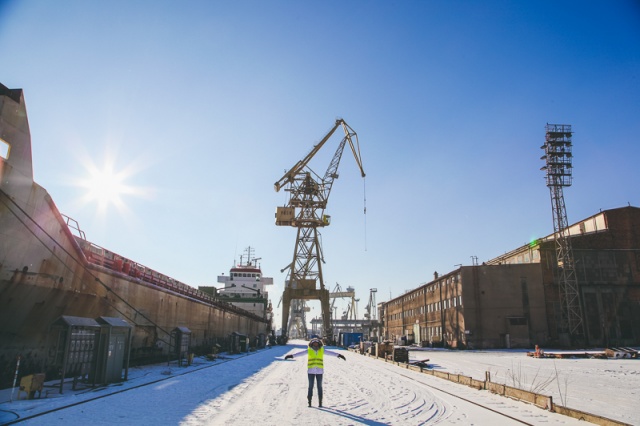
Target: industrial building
point(513, 301)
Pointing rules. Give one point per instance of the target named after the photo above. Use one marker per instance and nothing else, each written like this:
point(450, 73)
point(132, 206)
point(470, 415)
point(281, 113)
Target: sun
point(105, 186)
point(110, 183)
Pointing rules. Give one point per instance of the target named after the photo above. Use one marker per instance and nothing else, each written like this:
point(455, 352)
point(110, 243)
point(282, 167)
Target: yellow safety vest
point(315, 358)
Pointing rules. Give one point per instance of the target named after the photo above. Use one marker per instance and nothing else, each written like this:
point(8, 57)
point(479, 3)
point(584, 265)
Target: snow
point(606, 387)
point(263, 388)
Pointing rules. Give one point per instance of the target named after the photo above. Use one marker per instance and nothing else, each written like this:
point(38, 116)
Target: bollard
point(15, 378)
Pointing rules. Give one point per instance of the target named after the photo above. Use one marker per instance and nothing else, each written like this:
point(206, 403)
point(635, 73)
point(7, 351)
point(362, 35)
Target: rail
point(100, 256)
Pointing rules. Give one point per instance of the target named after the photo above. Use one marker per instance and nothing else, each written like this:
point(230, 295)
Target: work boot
point(309, 399)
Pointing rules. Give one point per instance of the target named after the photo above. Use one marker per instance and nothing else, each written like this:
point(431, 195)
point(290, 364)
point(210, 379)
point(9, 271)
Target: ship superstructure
point(245, 286)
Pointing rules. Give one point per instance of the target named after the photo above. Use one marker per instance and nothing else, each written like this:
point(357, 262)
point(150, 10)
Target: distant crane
point(371, 306)
point(352, 309)
point(305, 210)
point(338, 293)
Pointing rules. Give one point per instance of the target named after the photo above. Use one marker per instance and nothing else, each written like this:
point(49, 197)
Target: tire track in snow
point(386, 397)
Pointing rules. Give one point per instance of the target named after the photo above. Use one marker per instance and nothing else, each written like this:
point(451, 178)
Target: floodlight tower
point(558, 157)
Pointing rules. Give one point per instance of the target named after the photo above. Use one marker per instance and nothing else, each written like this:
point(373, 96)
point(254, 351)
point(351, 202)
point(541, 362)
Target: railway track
point(470, 401)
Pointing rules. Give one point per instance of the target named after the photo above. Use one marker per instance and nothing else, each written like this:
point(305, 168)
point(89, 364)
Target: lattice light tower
point(558, 157)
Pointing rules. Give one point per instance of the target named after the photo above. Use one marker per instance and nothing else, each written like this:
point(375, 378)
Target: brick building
point(513, 300)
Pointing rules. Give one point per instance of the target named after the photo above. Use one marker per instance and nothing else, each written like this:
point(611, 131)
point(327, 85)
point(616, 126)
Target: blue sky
point(199, 107)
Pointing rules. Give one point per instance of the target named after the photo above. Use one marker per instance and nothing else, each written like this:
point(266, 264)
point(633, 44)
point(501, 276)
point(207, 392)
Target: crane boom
point(290, 175)
point(332, 170)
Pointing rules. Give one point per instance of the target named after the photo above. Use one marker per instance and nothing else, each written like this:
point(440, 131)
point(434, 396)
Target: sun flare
point(105, 186)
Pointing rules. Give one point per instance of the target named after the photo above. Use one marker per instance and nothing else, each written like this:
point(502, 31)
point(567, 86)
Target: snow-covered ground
point(261, 387)
point(606, 387)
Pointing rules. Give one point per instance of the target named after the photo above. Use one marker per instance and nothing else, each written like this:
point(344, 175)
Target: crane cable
point(364, 190)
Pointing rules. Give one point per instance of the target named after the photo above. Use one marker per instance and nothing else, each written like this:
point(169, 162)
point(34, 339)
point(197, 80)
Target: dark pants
point(313, 377)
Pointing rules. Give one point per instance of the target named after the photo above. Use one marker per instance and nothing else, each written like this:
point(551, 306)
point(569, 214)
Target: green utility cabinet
point(182, 341)
point(114, 344)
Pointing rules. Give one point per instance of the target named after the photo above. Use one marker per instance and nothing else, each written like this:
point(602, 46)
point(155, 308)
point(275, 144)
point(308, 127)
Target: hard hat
point(315, 340)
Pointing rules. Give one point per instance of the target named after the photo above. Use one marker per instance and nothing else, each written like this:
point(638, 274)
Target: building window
point(5, 148)
point(517, 321)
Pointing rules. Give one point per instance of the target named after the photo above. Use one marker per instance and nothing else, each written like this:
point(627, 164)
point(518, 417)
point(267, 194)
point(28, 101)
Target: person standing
point(315, 365)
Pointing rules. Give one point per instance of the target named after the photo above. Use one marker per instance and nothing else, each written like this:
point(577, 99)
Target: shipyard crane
point(371, 306)
point(305, 210)
point(339, 293)
point(332, 308)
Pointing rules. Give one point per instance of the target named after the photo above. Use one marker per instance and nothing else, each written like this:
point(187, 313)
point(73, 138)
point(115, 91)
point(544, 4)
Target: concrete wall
point(44, 273)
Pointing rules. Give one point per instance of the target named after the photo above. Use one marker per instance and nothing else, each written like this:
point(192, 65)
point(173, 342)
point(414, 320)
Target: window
point(517, 321)
point(5, 148)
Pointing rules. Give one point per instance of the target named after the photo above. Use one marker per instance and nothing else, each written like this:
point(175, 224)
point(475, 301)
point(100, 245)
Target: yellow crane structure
point(352, 308)
point(305, 210)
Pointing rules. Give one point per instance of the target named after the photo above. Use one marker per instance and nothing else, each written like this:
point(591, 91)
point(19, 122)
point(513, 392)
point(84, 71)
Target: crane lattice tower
point(308, 197)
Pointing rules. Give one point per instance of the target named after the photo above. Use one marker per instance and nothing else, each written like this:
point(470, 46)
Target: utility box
point(261, 341)
point(113, 350)
point(239, 343)
point(384, 349)
point(30, 384)
point(74, 353)
point(182, 342)
point(244, 343)
point(371, 350)
point(401, 354)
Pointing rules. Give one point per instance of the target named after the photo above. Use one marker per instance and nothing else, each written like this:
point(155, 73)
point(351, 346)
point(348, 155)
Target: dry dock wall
point(44, 274)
